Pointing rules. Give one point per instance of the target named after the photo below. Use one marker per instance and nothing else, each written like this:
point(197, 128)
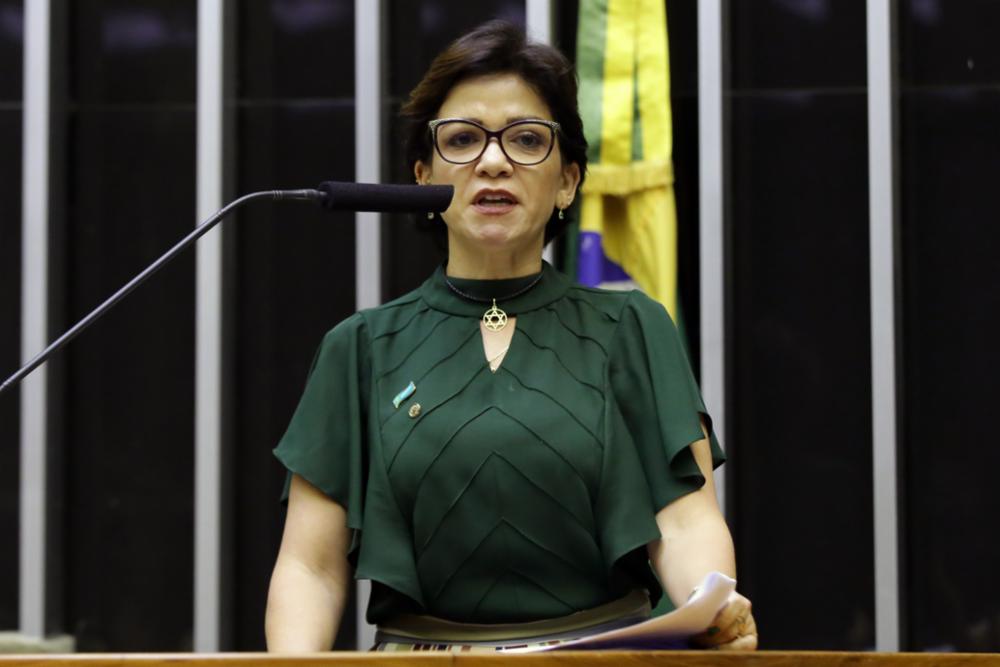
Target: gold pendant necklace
point(495, 319)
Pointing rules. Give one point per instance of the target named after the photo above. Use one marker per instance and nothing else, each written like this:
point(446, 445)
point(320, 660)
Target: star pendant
point(495, 319)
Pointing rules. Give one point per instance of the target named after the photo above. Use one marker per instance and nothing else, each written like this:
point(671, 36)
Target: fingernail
point(713, 630)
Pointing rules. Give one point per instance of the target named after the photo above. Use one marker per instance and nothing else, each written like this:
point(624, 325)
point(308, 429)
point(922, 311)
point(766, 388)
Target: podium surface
point(555, 659)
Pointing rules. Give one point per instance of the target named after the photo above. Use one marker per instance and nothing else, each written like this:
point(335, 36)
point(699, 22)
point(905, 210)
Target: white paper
point(691, 618)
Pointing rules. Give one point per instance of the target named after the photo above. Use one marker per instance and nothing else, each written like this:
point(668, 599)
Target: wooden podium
point(557, 659)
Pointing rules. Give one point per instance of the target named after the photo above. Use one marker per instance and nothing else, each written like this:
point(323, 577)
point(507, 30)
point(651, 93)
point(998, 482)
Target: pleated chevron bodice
point(519, 495)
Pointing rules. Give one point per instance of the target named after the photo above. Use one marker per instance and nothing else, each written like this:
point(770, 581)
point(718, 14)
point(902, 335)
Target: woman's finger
point(728, 622)
point(747, 643)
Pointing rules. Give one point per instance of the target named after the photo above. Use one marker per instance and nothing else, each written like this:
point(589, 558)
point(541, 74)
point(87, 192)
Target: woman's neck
point(482, 264)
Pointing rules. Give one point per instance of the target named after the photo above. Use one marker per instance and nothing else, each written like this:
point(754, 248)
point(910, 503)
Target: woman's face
point(499, 204)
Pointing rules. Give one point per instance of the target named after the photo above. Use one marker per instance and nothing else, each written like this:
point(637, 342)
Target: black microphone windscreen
point(383, 198)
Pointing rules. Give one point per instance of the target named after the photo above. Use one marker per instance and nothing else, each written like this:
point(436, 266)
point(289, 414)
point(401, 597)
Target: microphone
point(382, 198)
point(330, 194)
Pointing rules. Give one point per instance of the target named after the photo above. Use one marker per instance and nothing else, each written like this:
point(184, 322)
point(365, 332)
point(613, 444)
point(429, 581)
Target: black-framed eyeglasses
point(524, 142)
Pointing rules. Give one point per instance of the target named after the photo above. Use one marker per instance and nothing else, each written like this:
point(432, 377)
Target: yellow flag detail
point(628, 196)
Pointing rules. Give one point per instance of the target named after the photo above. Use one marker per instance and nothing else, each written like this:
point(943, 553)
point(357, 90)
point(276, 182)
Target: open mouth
point(494, 201)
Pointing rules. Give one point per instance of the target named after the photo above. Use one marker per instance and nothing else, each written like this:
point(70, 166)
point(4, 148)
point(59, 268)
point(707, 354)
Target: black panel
point(565, 21)
point(418, 31)
point(129, 383)
point(294, 280)
point(682, 36)
point(10, 346)
point(408, 254)
point(123, 191)
point(795, 44)
point(296, 48)
point(949, 42)
point(290, 267)
point(133, 51)
point(951, 313)
point(800, 395)
point(684, 109)
point(11, 47)
point(11, 63)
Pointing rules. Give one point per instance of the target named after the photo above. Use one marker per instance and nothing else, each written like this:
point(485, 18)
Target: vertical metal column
point(538, 20)
point(34, 313)
point(208, 337)
point(368, 169)
point(882, 215)
point(368, 146)
point(538, 25)
point(711, 203)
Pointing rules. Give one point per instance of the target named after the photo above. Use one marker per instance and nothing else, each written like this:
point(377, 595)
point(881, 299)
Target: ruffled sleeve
point(325, 441)
point(658, 399)
point(330, 442)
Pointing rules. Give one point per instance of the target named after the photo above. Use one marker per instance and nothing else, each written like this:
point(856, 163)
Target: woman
point(502, 453)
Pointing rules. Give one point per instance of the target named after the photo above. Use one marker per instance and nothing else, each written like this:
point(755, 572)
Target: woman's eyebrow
point(510, 119)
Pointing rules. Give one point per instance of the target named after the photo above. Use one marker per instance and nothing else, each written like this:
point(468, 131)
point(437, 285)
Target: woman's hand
point(695, 540)
point(732, 629)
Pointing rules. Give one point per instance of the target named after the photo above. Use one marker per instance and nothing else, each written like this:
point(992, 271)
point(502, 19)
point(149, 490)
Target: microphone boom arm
point(199, 231)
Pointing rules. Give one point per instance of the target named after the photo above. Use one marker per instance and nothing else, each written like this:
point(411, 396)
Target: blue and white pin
point(403, 395)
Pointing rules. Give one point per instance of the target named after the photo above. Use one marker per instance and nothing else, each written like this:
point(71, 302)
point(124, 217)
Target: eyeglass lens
point(523, 143)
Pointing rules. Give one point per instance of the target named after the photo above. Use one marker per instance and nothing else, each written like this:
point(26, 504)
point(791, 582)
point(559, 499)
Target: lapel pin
point(403, 395)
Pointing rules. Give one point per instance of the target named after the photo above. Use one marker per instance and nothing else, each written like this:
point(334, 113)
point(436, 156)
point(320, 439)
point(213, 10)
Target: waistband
point(419, 629)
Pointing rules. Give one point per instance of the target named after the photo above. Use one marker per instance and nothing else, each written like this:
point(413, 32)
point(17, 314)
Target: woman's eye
point(462, 139)
point(528, 140)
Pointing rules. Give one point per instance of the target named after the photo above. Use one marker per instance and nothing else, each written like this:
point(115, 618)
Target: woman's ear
point(568, 183)
point(422, 173)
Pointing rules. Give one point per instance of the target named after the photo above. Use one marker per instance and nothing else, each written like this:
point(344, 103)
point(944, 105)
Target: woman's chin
point(494, 235)
point(494, 238)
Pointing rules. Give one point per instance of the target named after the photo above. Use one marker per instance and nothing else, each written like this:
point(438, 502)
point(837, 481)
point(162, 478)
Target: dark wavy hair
point(496, 47)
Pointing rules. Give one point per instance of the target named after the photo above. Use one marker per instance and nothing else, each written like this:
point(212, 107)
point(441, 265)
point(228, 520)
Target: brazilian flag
point(627, 234)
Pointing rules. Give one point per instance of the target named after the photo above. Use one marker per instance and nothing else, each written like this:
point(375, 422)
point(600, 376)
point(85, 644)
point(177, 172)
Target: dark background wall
point(949, 243)
point(800, 487)
point(799, 385)
point(289, 269)
point(11, 39)
point(124, 123)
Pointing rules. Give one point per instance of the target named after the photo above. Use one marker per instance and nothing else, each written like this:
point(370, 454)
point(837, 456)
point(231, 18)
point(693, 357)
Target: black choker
point(494, 319)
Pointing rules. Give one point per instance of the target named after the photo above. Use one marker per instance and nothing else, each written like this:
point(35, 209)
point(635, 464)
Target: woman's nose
point(494, 161)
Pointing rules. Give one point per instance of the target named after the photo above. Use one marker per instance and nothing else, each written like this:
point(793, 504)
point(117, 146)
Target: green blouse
point(513, 496)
